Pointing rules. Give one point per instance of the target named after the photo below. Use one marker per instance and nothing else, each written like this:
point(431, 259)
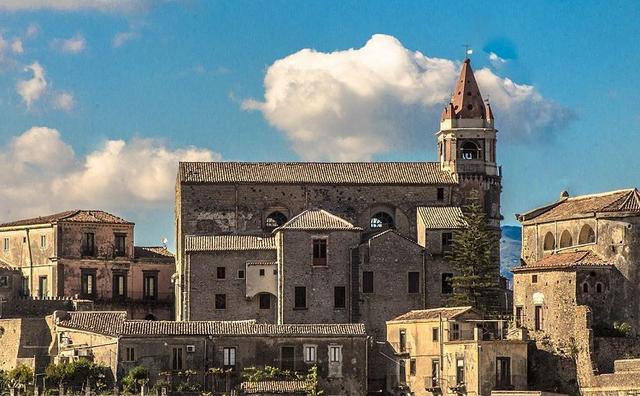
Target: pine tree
point(474, 255)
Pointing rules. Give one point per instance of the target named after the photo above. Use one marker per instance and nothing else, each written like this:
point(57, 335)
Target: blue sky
point(130, 90)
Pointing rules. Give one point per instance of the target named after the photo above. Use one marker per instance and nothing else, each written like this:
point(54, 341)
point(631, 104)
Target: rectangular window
point(121, 245)
point(455, 332)
point(4, 281)
point(447, 284)
point(43, 241)
point(367, 282)
point(435, 372)
point(275, 272)
point(339, 297)
point(534, 278)
point(119, 286)
point(519, 316)
point(310, 353)
point(320, 252)
point(229, 357)
point(300, 297)
point(403, 340)
point(412, 367)
point(435, 334)
point(503, 372)
point(447, 240)
point(6, 244)
point(414, 282)
point(221, 301)
point(88, 283)
point(89, 244)
point(240, 274)
point(25, 288)
point(130, 354)
point(176, 362)
point(150, 285)
point(335, 353)
point(440, 194)
point(538, 318)
point(221, 272)
point(459, 371)
point(265, 301)
point(261, 271)
point(287, 358)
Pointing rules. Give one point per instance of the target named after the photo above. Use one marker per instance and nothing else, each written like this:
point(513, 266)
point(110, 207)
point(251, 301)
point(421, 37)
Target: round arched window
point(587, 235)
point(599, 287)
point(470, 151)
point(565, 239)
point(275, 220)
point(585, 287)
point(381, 220)
point(549, 242)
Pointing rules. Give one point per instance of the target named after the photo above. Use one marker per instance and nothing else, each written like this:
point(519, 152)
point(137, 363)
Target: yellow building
point(455, 351)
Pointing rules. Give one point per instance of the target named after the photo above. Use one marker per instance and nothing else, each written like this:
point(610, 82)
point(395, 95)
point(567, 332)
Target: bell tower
point(467, 143)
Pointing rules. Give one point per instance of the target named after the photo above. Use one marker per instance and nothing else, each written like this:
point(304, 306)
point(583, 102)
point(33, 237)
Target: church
point(319, 242)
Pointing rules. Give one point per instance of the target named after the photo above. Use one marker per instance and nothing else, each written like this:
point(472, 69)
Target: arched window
point(274, 220)
point(598, 287)
point(381, 220)
point(470, 151)
point(587, 235)
point(585, 287)
point(565, 239)
point(549, 242)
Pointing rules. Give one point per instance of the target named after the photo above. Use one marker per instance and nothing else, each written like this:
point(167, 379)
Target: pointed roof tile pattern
point(466, 101)
point(72, 216)
point(566, 260)
point(317, 219)
point(626, 201)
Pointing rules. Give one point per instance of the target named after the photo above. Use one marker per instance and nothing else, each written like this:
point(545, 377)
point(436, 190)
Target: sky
point(101, 98)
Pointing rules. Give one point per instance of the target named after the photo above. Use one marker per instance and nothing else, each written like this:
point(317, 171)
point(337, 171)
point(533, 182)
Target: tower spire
point(466, 98)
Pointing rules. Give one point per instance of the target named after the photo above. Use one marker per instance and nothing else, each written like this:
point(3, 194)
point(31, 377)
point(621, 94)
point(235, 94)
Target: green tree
point(134, 378)
point(20, 375)
point(475, 255)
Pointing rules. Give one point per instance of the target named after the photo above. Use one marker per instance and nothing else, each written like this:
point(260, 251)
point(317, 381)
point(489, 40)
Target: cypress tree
point(474, 255)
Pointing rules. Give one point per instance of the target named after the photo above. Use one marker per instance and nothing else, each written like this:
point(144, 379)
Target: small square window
point(275, 272)
point(534, 278)
point(221, 272)
point(221, 301)
point(261, 271)
point(240, 274)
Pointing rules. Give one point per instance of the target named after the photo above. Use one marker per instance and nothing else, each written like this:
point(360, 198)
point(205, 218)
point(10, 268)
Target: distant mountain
point(510, 245)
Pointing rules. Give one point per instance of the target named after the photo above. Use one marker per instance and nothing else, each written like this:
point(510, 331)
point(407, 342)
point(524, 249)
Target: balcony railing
point(401, 349)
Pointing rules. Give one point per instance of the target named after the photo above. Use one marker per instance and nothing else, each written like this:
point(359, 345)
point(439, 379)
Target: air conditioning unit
point(191, 348)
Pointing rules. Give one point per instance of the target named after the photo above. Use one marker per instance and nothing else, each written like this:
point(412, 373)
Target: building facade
point(89, 255)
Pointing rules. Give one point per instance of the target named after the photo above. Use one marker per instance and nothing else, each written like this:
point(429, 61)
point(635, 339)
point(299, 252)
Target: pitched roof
point(259, 387)
point(391, 232)
point(317, 219)
point(565, 260)
point(209, 243)
point(72, 216)
point(152, 252)
point(314, 173)
point(433, 313)
point(466, 100)
point(586, 205)
point(441, 217)
point(116, 324)
point(103, 322)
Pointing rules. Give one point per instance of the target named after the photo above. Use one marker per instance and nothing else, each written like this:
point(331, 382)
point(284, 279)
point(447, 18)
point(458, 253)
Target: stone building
point(451, 351)
point(166, 348)
point(333, 242)
point(89, 254)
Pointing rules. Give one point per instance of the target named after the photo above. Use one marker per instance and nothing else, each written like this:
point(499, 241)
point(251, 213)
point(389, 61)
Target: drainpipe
point(441, 336)
point(30, 259)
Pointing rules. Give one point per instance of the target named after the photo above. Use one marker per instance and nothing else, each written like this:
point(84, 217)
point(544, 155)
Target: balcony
point(400, 349)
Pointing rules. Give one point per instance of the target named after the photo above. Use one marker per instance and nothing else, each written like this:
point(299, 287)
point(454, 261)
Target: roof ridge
point(600, 194)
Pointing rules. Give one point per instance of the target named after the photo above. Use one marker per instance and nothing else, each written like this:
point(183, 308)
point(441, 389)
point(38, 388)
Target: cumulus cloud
point(44, 174)
point(9, 49)
point(121, 38)
point(64, 101)
point(358, 103)
point(31, 90)
point(32, 30)
point(496, 60)
point(75, 5)
point(73, 45)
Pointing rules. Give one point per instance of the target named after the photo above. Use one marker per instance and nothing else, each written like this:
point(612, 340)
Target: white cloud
point(75, 5)
point(64, 101)
point(73, 45)
point(43, 174)
point(495, 60)
point(32, 30)
point(31, 90)
point(121, 38)
point(358, 103)
point(16, 46)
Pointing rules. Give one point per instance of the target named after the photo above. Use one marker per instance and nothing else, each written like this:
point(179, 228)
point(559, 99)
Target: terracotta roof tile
point(441, 217)
point(434, 313)
point(314, 173)
point(317, 219)
point(152, 252)
point(466, 101)
point(208, 243)
point(278, 387)
point(106, 322)
point(586, 205)
point(566, 260)
point(75, 216)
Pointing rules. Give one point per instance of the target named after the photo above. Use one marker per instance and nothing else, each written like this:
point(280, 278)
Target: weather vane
point(467, 50)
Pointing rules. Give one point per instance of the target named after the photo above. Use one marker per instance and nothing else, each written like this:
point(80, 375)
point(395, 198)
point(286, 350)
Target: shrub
point(134, 377)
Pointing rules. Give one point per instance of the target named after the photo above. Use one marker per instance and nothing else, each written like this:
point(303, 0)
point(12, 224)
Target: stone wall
point(70, 237)
point(25, 341)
